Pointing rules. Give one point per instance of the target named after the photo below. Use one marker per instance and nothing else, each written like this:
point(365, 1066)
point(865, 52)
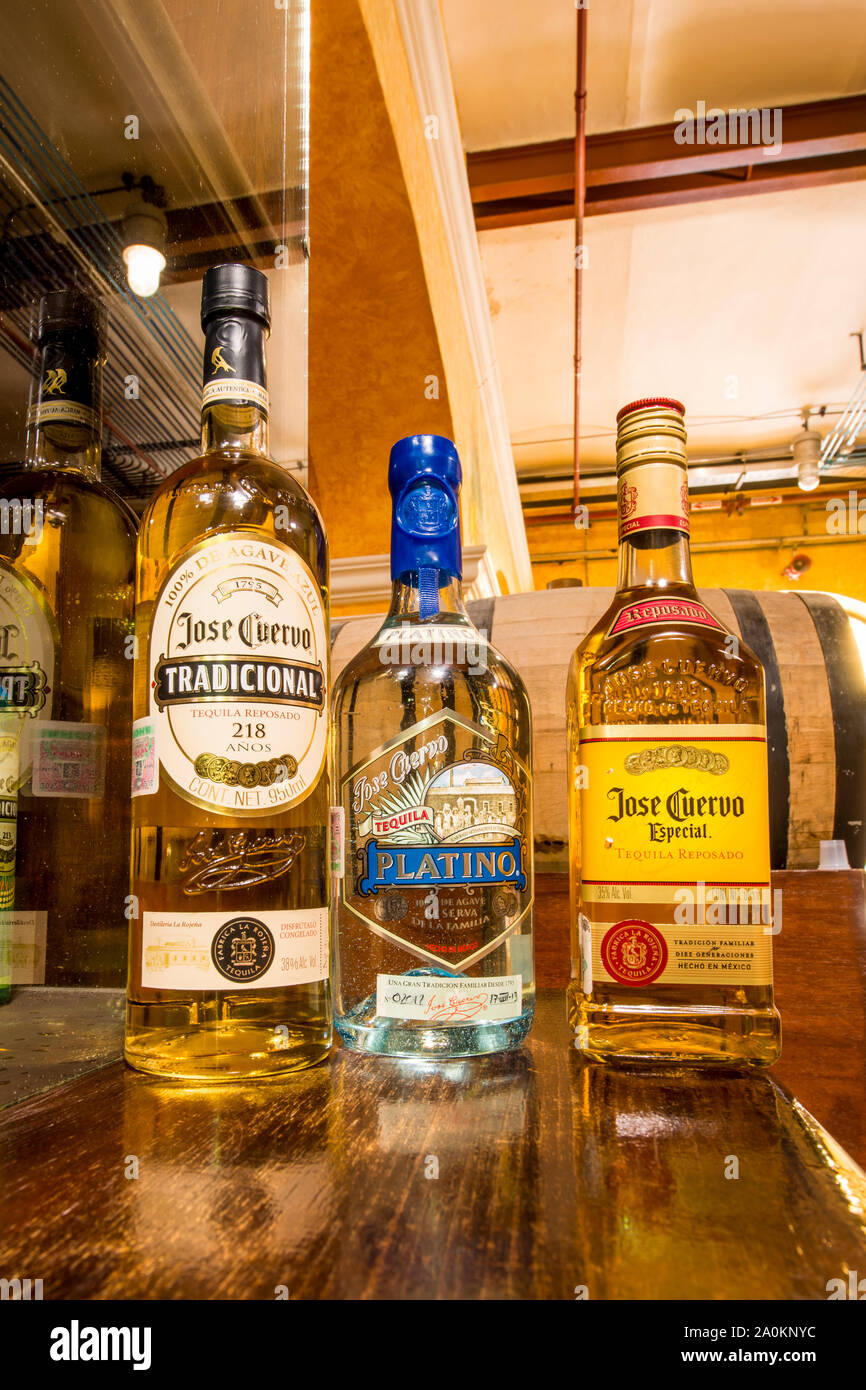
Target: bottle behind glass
point(229, 960)
point(66, 588)
point(671, 913)
point(431, 767)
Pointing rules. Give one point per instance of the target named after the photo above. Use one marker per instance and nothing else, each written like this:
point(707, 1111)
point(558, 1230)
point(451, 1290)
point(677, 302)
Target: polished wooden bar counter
point(528, 1175)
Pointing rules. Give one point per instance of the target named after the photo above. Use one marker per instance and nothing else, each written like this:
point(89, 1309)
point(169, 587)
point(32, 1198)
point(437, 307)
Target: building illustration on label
point(238, 676)
point(437, 841)
point(167, 955)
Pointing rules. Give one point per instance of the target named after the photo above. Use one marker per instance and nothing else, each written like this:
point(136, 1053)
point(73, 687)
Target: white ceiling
point(513, 60)
point(741, 309)
point(762, 289)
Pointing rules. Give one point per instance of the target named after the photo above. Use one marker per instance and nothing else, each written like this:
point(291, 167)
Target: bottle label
point(28, 647)
point(653, 495)
point(675, 860)
point(337, 841)
point(145, 767)
point(68, 759)
point(228, 951)
point(234, 363)
point(23, 937)
point(435, 999)
point(439, 841)
point(237, 663)
point(10, 777)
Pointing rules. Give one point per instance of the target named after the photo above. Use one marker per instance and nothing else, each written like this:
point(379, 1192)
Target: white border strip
point(429, 66)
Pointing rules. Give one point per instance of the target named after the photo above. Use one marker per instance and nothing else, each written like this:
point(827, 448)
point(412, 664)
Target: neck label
point(654, 495)
point(234, 363)
point(66, 391)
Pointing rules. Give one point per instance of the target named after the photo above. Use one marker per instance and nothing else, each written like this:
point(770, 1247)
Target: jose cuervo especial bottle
point(667, 769)
point(431, 766)
point(66, 591)
point(228, 972)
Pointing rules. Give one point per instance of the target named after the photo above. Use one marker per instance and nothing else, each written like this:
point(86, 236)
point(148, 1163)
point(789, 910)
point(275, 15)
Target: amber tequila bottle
point(432, 748)
point(671, 915)
point(228, 973)
point(67, 556)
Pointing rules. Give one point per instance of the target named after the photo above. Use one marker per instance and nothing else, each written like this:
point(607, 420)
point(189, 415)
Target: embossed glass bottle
point(667, 771)
point(67, 562)
point(229, 945)
point(431, 765)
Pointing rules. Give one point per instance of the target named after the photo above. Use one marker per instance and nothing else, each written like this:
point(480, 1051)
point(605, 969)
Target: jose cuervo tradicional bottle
point(229, 937)
point(667, 768)
point(67, 562)
point(431, 765)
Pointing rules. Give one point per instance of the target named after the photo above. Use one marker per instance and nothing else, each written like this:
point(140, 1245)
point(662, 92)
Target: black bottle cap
point(62, 311)
point(235, 288)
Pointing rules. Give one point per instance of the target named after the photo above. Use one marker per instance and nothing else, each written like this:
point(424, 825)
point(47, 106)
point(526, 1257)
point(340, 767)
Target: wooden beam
point(821, 142)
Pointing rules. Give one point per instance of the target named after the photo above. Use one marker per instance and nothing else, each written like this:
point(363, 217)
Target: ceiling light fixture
point(806, 449)
point(144, 229)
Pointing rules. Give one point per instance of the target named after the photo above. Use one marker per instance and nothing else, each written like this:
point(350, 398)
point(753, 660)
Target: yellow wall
point(838, 564)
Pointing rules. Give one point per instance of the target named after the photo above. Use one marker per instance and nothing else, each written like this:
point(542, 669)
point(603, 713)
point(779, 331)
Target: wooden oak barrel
point(816, 705)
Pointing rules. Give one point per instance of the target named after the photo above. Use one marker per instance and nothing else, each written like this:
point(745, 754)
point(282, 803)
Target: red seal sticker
point(634, 952)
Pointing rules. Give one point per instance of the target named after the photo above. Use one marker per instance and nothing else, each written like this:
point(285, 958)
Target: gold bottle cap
point(650, 430)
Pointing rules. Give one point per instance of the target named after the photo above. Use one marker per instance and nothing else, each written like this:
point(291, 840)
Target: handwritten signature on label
point(226, 859)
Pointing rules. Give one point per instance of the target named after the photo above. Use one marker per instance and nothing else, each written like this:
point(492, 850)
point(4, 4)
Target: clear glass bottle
point(431, 766)
point(67, 559)
point(671, 914)
point(228, 972)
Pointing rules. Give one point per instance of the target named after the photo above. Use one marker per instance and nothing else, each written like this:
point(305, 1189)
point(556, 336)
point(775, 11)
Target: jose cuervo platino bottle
point(667, 768)
point(229, 941)
point(431, 765)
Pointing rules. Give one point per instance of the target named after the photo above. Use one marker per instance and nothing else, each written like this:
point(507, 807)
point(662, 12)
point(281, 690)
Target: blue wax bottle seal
point(424, 477)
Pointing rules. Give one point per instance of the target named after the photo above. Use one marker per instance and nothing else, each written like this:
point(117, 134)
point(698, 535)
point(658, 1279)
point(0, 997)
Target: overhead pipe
point(579, 209)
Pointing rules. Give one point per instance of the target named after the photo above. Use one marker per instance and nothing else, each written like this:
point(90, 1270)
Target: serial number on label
point(436, 999)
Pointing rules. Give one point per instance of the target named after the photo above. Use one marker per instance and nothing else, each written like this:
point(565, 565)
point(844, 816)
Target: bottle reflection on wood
point(696, 1187)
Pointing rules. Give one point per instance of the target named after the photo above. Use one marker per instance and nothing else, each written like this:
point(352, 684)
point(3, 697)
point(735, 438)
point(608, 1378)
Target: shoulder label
point(655, 611)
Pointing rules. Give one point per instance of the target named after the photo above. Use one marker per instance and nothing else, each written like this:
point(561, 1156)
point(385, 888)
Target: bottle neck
point(427, 595)
point(655, 559)
point(654, 526)
point(235, 404)
point(64, 419)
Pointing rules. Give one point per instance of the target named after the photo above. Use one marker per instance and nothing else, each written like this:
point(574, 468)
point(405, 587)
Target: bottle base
point(399, 1038)
point(219, 1056)
point(673, 1038)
